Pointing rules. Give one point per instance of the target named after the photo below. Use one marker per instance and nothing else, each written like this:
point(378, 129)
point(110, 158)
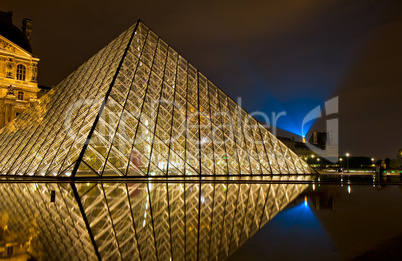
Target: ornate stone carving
point(10, 64)
point(34, 72)
point(10, 90)
point(21, 106)
point(9, 47)
point(6, 46)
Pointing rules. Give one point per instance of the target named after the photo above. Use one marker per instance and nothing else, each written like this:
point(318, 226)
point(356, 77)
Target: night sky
point(287, 55)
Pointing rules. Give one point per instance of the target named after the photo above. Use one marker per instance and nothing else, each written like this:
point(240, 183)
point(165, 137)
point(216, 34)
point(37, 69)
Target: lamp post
point(347, 161)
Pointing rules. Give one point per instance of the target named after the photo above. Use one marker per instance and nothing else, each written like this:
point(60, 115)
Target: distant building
point(321, 140)
point(298, 147)
point(18, 68)
point(399, 157)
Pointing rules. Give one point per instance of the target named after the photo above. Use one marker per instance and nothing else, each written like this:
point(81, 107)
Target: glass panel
point(158, 114)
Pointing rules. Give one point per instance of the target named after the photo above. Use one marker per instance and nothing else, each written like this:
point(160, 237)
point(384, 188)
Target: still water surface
point(352, 218)
point(297, 218)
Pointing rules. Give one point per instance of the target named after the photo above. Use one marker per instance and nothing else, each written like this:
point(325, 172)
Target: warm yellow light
point(340, 159)
point(312, 155)
point(347, 154)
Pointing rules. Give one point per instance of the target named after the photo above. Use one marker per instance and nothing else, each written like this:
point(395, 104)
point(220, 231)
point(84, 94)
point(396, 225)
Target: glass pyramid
point(142, 221)
point(138, 108)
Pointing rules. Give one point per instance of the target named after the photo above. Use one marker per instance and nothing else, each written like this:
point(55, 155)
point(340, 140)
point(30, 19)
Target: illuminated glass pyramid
point(137, 108)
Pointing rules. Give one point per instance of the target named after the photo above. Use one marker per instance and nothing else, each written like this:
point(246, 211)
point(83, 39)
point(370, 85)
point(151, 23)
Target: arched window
point(21, 72)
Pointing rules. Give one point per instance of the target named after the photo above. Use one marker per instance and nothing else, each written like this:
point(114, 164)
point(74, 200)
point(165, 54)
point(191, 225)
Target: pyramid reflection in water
point(138, 108)
point(147, 221)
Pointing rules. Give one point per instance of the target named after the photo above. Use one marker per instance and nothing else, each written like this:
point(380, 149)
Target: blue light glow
point(272, 96)
point(296, 111)
point(300, 229)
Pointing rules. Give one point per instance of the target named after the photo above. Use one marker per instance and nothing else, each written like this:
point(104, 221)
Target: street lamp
point(347, 161)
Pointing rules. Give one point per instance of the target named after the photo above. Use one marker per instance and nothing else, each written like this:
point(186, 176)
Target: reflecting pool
point(273, 218)
point(341, 218)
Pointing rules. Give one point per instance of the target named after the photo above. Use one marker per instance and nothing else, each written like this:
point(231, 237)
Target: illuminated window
point(21, 72)
point(20, 95)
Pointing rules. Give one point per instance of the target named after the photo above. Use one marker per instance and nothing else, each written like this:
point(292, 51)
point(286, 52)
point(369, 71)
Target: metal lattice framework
point(143, 221)
point(138, 108)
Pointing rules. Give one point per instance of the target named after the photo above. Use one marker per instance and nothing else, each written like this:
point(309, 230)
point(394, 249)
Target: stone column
point(9, 103)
